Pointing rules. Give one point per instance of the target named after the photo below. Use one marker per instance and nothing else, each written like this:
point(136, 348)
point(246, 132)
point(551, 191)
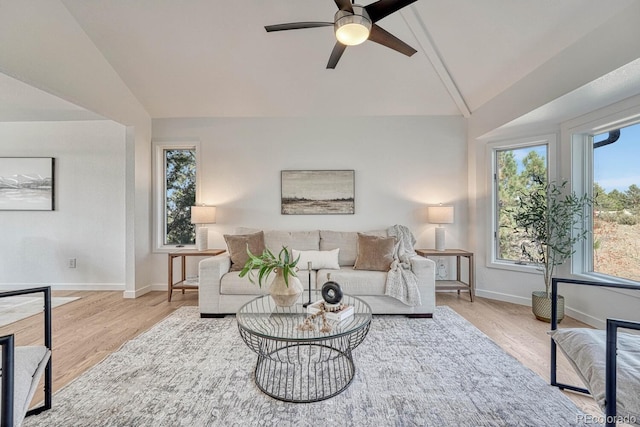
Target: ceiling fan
point(354, 24)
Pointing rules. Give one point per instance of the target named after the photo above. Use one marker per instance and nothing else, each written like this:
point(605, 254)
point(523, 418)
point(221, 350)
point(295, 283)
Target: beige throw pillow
point(374, 253)
point(237, 248)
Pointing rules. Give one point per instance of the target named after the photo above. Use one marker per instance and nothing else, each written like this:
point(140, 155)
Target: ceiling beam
point(428, 48)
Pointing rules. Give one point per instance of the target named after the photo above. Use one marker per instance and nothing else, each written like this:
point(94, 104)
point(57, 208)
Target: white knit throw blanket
point(402, 283)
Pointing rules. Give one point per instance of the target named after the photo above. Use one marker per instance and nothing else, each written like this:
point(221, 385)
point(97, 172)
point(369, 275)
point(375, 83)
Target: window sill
point(511, 266)
point(172, 248)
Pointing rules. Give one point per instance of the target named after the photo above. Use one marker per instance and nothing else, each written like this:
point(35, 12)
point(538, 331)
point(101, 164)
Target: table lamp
point(202, 215)
point(440, 215)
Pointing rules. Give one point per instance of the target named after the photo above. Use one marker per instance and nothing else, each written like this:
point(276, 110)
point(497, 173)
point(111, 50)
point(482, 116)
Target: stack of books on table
point(343, 313)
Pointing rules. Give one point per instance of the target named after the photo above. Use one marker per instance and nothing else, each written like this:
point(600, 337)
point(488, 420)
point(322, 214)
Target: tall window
point(516, 167)
point(176, 167)
point(616, 188)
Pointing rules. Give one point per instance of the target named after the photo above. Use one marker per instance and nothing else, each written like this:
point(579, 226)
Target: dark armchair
point(608, 362)
point(22, 368)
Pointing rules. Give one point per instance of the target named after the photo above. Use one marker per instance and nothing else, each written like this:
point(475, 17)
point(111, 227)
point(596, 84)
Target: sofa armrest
point(210, 272)
point(425, 271)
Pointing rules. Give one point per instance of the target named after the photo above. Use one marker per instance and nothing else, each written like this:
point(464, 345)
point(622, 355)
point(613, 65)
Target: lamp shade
point(440, 214)
point(203, 214)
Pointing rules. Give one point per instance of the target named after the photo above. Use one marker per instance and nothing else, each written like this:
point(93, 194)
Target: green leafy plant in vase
point(549, 222)
point(285, 287)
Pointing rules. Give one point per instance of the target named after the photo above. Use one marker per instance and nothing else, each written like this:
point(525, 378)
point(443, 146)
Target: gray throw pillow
point(237, 248)
point(374, 253)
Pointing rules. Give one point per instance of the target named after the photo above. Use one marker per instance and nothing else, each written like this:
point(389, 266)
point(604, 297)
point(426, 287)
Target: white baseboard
point(586, 318)
point(514, 299)
point(576, 314)
point(159, 287)
point(138, 292)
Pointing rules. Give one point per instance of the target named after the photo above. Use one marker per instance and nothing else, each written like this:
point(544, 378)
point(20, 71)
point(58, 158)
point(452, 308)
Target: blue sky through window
point(617, 166)
point(521, 153)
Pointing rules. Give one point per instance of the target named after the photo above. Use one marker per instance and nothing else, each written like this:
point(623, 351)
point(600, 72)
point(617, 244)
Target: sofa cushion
point(374, 253)
point(307, 276)
point(318, 259)
point(346, 241)
point(246, 230)
point(299, 240)
point(237, 248)
point(355, 282)
point(232, 284)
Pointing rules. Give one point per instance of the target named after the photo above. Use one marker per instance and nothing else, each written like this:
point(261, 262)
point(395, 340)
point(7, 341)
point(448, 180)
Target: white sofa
point(223, 292)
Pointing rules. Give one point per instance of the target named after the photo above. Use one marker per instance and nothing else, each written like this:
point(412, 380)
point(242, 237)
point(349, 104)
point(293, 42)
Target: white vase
point(283, 295)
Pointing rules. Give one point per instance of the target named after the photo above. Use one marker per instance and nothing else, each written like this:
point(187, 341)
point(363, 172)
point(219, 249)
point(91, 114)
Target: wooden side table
point(458, 284)
point(184, 253)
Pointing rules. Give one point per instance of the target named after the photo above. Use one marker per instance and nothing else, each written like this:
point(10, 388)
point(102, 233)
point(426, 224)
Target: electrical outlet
point(441, 269)
point(71, 263)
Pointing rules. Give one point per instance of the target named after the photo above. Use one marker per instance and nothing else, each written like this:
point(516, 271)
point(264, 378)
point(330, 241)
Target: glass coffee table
point(302, 366)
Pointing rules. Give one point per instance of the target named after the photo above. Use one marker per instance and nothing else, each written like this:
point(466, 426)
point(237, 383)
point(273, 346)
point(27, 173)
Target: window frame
point(159, 190)
point(581, 155)
point(550, 140)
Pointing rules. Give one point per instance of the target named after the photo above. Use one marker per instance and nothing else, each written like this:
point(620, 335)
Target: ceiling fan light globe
point(352, 28)
point(352, 34)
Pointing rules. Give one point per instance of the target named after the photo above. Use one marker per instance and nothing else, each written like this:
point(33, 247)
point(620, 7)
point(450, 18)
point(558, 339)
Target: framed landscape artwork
point(318, 192)
point(26, 183)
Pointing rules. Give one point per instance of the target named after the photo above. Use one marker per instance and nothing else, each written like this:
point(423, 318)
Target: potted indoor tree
point(285, 287)
point(549, 222)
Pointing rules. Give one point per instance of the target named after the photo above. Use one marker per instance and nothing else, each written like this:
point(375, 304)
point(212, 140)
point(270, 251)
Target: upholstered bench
point(607, 362)
point(22, 368)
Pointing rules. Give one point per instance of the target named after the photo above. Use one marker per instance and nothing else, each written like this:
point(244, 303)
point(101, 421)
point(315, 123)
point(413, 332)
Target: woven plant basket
point(541, 306)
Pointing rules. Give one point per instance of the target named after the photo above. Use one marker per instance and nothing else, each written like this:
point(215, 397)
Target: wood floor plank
point(87, 330)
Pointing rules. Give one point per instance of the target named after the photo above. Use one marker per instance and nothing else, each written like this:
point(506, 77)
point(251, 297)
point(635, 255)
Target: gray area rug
point(188, 371)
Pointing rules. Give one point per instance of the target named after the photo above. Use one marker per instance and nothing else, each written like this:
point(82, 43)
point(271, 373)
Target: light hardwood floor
point(87, 330)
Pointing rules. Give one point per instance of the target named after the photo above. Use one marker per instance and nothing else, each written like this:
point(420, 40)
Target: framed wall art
point(318, 192)
point(26, 183)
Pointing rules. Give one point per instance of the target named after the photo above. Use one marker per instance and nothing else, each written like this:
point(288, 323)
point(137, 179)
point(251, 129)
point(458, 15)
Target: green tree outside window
point(513, 177)
point(180, 184)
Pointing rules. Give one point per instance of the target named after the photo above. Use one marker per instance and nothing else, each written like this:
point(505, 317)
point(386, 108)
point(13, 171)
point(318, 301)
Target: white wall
point(49, 50)
point(401, 164)
point(601, 52)
point(88, 222)
point(585, 303)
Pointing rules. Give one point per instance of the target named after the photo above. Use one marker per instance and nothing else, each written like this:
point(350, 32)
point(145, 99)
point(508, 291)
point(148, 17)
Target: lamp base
point(202, 239)
point(439, 238)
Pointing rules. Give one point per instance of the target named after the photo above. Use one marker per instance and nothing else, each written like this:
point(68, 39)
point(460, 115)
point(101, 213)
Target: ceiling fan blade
point(344, 5)
point(382, 8)
point(387, 39)
point(336, 53)
point(296, 26)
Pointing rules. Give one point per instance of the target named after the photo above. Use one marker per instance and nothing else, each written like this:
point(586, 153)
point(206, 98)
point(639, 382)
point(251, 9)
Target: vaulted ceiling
point(206, 58)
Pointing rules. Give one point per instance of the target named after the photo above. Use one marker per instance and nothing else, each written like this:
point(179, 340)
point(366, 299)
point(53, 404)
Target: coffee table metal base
point(302, 364)
point(302, 372)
